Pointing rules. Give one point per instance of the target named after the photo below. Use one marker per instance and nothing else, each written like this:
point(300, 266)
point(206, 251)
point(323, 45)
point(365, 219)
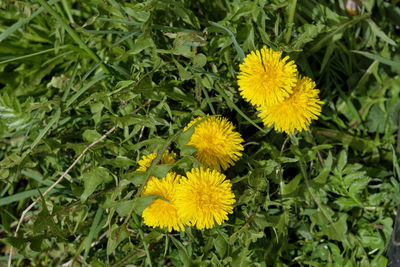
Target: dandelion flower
point(295, 112)
point(204, 198)
point(265, 78)
point(145, 162)
point(162, 213)
point(218, 146)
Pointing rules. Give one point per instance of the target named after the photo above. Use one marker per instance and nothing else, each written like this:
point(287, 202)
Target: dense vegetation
point(133, 74)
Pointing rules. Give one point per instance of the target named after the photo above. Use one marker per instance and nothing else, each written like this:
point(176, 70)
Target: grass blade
point(84, 89)
point(72, 33)
point(239, 50)
point(10, 30)
point(46, 129)
point(378, 58)
point(33, 54)
point(21, 196)
point(92, 232)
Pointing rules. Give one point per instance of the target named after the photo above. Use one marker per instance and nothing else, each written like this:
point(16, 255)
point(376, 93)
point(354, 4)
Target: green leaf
point(84, 88)
point(91, 135)
point(380, 59)
point(188, 150)
point(199, 61)
point(239, 50)
point(116, 236)
point(183, 73)
point(183, 254)
point(142, 42)
point(342, 161)
point(93, 230)
point(184, 137)
point(53, 120)
point(135, 177)
point(94, 178)
point(36, 242)
point(221, 245)
point(16, 242)
point(20, 196)
point(161, 170)
point(378, 32)
point(141, 203)
point(337, 231)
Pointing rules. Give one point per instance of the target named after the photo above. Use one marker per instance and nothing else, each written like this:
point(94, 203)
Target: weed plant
point(89, 87)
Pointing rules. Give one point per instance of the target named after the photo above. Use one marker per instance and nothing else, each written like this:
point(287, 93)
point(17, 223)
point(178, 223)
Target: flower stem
point(291, 11)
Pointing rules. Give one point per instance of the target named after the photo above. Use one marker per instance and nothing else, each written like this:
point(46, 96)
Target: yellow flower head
point(145, 162)
point(216, 143)
point(162, 213)
point(265, 78)
point(295, 112)
point(204, 198)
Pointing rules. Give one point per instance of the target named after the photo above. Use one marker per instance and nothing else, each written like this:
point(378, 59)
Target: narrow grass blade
point(36, 177)
point(129, 35)
point(32, 55)
point(70, 82)
point(396, 163)
point(84, 89)
point(289, 24)
point(93, 228)
point(55, 119)
point(10, 30)
point(20, 196)
point(378, 58)
point(72, 33)
point(339, 28)
point(351, 107)
point(239, 50)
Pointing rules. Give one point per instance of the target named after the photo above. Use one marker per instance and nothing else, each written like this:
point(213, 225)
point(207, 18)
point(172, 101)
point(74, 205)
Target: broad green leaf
point(90, 135)
point(378, 32)
point(220, 245)
point(342, 161)
point(337, 231)
point(116, 235)
point(183, 254)
point(92, 179)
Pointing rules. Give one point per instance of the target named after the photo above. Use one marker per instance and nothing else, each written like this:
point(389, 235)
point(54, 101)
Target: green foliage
point(72, 70)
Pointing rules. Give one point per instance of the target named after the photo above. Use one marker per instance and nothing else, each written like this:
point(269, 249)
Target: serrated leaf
point(358, 185)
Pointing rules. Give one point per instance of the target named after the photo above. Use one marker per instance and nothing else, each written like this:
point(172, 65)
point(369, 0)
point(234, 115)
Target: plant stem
point(291, 11)
point(73, 34)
